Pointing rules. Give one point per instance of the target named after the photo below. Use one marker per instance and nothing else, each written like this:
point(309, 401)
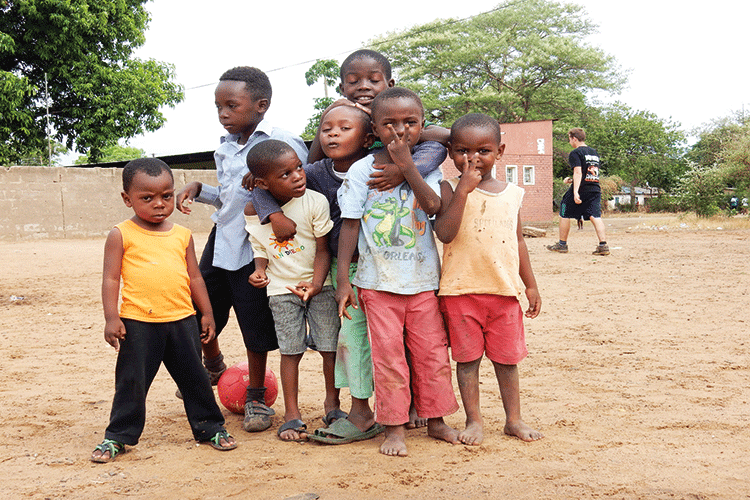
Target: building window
point(511, 174)
point(528, 175)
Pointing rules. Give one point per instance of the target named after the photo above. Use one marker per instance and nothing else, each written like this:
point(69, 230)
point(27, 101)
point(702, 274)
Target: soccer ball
point(232, 387)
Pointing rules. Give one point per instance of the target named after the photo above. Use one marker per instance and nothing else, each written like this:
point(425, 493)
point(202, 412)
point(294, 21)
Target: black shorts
point(231, 289)
point(591, 205)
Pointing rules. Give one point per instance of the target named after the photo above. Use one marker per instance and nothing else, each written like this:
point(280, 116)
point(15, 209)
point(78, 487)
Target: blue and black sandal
point(110, 446)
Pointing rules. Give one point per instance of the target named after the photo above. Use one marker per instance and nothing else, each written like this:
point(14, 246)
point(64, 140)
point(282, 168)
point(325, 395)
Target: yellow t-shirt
point(483, 257)
point(155, 281)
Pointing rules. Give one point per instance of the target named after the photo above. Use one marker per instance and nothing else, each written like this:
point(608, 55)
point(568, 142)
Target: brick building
point(527, 162)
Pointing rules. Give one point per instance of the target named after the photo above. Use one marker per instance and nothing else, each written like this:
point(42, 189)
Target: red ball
point(232, 387)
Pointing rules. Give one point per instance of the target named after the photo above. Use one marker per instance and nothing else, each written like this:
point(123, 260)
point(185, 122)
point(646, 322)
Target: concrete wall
point(66, 202)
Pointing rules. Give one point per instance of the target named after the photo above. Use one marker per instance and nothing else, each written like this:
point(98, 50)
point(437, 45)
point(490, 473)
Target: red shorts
point(483, 323)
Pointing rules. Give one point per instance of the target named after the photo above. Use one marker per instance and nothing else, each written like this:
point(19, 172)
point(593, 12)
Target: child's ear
point(391, 82)
point(262, 105)
point(126, 199)
point(369, 140)
point(449, 147)
point(261, 183)
point(500, 151)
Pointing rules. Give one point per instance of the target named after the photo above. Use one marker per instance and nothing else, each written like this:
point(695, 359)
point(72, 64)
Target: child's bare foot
point(437, 428)
point(415, 421)
point(522, 431)
point(395, 441)
point(473, 435)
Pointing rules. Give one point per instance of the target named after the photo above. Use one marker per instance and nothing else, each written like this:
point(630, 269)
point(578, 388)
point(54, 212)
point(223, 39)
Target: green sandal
point(108, 445)
point(216, 441)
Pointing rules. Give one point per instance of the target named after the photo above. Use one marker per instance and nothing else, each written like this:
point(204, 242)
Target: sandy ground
point(638, 375)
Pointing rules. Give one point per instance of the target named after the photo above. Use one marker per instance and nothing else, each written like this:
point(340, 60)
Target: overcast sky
point(687, 60)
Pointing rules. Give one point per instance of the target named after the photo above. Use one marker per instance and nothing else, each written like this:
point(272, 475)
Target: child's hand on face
point(385, 177)
point(259, 279)
point(304, 290)
point(470, 177)
point(114, 332)
point(248, 181)
point(535, 303)
point(208, 329)
point(398, 147)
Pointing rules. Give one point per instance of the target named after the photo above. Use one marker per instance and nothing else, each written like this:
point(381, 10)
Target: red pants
point(388, 315)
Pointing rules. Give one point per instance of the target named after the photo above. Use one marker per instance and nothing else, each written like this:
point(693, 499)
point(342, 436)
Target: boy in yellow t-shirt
point(160, 279)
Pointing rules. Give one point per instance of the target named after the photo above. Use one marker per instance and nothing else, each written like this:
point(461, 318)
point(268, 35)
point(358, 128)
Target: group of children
point(333, 250)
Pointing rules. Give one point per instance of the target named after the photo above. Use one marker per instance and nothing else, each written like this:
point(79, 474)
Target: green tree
point(637, 146)
point(328, 71)
point(701, 190)
point(525, 60)
point(98, 92)
point(113, 153)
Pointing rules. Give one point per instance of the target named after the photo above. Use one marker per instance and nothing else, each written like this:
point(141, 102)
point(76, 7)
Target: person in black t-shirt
point(583, 198)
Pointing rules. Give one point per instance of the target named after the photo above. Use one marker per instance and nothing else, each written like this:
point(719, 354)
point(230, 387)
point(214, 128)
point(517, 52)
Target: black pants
point(231, 289)
point(144, 348)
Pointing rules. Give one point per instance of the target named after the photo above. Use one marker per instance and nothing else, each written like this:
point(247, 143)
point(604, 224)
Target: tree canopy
point(98, 92)
point(113, 153)
point(328, 71)
point(524, 60)
point(637, 146)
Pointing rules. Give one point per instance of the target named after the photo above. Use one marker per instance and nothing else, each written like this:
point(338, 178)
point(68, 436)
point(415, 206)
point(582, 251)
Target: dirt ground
point(638, 376)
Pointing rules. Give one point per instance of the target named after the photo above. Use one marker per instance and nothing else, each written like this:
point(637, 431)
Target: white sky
point(688, 59)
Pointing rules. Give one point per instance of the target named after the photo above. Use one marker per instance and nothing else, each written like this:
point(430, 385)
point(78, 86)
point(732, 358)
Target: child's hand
point(345, 297)
point(248, 182)
point(304, 290)
point(187, 194)
point(470, 177)
point(114, 332)
point(385, 177)
point(208, 329)
point(259, 279)
point(283, 227)
point(535, 303)
point(398, 147)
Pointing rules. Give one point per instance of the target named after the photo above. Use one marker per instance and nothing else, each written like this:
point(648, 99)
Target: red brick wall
point(526, 144)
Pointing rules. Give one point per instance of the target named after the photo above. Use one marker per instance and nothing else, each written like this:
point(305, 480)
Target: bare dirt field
point(638, 376)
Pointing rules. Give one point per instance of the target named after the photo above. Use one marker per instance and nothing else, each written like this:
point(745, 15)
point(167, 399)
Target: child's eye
point(168, 196)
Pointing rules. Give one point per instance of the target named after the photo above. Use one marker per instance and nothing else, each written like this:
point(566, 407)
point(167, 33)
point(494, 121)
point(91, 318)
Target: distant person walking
point(583, 198)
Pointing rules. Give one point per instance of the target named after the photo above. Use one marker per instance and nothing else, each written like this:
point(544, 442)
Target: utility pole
point(46, 101)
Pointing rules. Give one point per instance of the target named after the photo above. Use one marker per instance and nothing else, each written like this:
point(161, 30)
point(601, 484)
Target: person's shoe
point(601, 250)
point(558, 247)
point(257, 417)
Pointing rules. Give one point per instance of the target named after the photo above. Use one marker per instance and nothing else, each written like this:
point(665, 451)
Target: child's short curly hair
point(262, 157)
point(477, 120)
point(394, 93)
point(256, 82)
point(385, 64)
point(150, 166)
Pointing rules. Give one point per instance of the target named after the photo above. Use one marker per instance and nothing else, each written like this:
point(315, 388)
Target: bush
point(663, 203)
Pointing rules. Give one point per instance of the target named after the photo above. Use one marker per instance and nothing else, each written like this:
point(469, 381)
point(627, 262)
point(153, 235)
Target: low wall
point(67, 202)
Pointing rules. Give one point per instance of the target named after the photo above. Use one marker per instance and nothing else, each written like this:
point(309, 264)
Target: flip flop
point(342, 431)
point(108, 445)
point(334, 415)
point(295, 425)
point(215, 441)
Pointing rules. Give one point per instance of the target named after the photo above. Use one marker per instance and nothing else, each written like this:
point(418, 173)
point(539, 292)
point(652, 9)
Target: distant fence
point(69, 202)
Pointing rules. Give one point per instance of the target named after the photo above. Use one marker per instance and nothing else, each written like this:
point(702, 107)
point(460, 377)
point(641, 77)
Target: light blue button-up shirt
point(232, 249)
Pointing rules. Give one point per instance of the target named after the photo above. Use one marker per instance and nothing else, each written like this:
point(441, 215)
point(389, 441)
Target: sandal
point(110, 446)
point(295, 425)
point(215, 441)
point(334, 415)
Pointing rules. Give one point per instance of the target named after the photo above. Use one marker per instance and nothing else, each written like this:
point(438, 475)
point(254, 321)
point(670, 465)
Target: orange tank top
point(155, 281)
